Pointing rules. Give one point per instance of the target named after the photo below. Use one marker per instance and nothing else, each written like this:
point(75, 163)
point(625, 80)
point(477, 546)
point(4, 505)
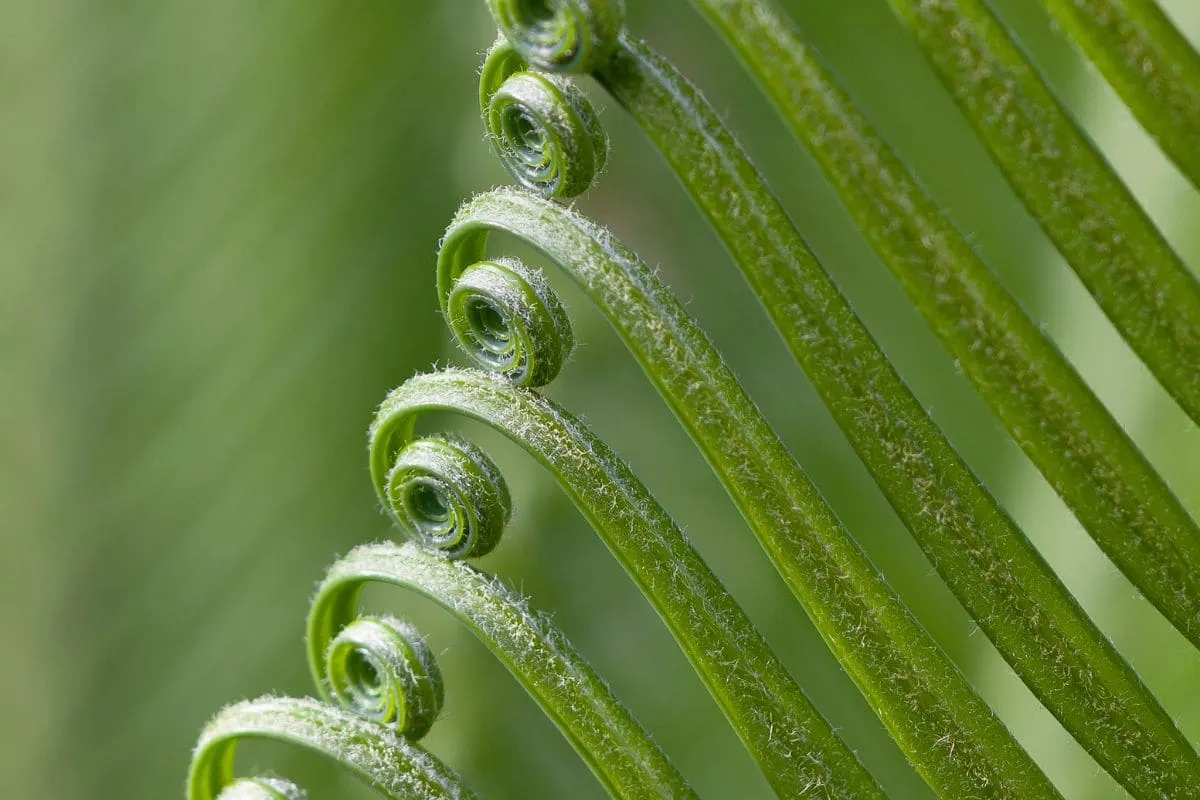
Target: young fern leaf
point(389, 686)
point(986, 560)
point(1050, 412)
point(388, 763)
point(1150, 64)
point(561, 35)
point(1093, 219)
point(559, 146)
point(601, 729)
point(916, 690)
point(793, 745)
point(381, 669)
point(452, 501)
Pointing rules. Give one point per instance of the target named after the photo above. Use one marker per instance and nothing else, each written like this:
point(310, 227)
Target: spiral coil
point(444, 493)
point(561, 35)
point(543, 129)
point(448, 495)
point(381, 668)
point(509, 320)
point(382, 684)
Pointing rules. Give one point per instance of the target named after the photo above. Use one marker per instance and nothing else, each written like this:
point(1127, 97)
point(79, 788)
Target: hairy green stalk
point(1106, 237)
point(603, 732)
point(388, 763)
point(865, 624)
point(1150, 64)
point(452, 502)
point(1050, 412)
point(792, 743)
point(998, 575)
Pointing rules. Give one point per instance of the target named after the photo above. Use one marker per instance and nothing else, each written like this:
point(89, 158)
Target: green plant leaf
point(1150, 64)
point(1113, 246)
point(774, 718)
point(392, 766)
point(986, 560)
point(600, 728)
point(1050, 412)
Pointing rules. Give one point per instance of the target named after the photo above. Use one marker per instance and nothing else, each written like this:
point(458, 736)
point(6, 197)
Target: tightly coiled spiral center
point(508, 320)
point(561, 35)
point(448, 496)
point(543, 128)
point(382, 669)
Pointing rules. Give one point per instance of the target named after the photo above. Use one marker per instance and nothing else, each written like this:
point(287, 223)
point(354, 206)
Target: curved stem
point(1106, 237)
point(601, 729)
point(793, 745)
point(393, 767)
point(1150, 64)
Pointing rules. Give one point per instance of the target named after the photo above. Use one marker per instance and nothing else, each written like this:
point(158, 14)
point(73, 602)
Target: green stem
point(912, 685)
point(986, 560)
point(1085, 209)
point(1150, 64)
point(793, 745)
point(393, 767)
point(603, 732)
point(1042, 401)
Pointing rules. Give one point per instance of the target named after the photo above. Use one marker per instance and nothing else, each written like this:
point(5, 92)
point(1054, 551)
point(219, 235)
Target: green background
point(217, 232)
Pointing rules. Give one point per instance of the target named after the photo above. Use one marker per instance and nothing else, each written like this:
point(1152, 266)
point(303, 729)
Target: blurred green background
point(217, 230)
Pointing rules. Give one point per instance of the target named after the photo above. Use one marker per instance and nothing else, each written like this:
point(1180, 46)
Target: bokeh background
point(217, 230)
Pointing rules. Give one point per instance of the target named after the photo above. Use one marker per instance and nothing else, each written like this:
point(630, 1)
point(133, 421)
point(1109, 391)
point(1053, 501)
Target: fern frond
point(1051, 413)
point(789, 739)
point(385, 761)
point(603, 732)
point(1111, 243)
point(986, 560)
point(450, 501)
